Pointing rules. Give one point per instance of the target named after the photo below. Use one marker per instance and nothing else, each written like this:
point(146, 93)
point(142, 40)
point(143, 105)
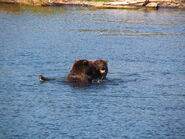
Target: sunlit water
point(143, 97)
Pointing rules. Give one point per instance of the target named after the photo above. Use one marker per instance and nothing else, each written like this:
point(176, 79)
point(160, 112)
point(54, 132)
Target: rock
point(152, 5)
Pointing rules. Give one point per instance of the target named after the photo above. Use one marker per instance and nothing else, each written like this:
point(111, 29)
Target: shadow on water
point(10, 8)
point(16, 8)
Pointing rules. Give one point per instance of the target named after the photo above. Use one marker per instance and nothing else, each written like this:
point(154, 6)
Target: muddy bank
point(108, 4)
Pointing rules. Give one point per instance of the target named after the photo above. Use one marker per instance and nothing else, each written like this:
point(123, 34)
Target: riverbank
point(121, 4)
point(172, 4)
point(108, 5)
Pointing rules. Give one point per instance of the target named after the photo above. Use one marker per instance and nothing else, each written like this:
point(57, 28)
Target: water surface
point(143, 97)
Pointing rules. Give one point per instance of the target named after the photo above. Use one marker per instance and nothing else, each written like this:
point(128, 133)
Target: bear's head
point(83, 71)
point(102, 66)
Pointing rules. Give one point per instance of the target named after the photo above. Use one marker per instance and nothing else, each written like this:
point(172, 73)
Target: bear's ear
point(85, 62)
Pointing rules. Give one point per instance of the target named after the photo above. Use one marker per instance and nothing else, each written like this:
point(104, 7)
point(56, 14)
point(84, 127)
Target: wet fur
point(83, 71)
point(102, 66)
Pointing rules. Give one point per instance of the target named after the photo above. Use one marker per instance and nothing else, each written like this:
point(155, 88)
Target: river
point(142, 98)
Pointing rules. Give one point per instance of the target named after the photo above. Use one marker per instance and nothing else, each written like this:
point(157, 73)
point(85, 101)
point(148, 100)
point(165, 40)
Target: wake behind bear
point(84, 71)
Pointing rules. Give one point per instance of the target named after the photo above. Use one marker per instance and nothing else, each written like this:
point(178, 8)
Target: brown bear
point(102, 66)
point(83, 71)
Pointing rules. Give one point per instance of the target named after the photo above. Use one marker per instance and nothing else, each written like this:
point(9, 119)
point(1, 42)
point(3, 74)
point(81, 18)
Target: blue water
point(143, 97)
